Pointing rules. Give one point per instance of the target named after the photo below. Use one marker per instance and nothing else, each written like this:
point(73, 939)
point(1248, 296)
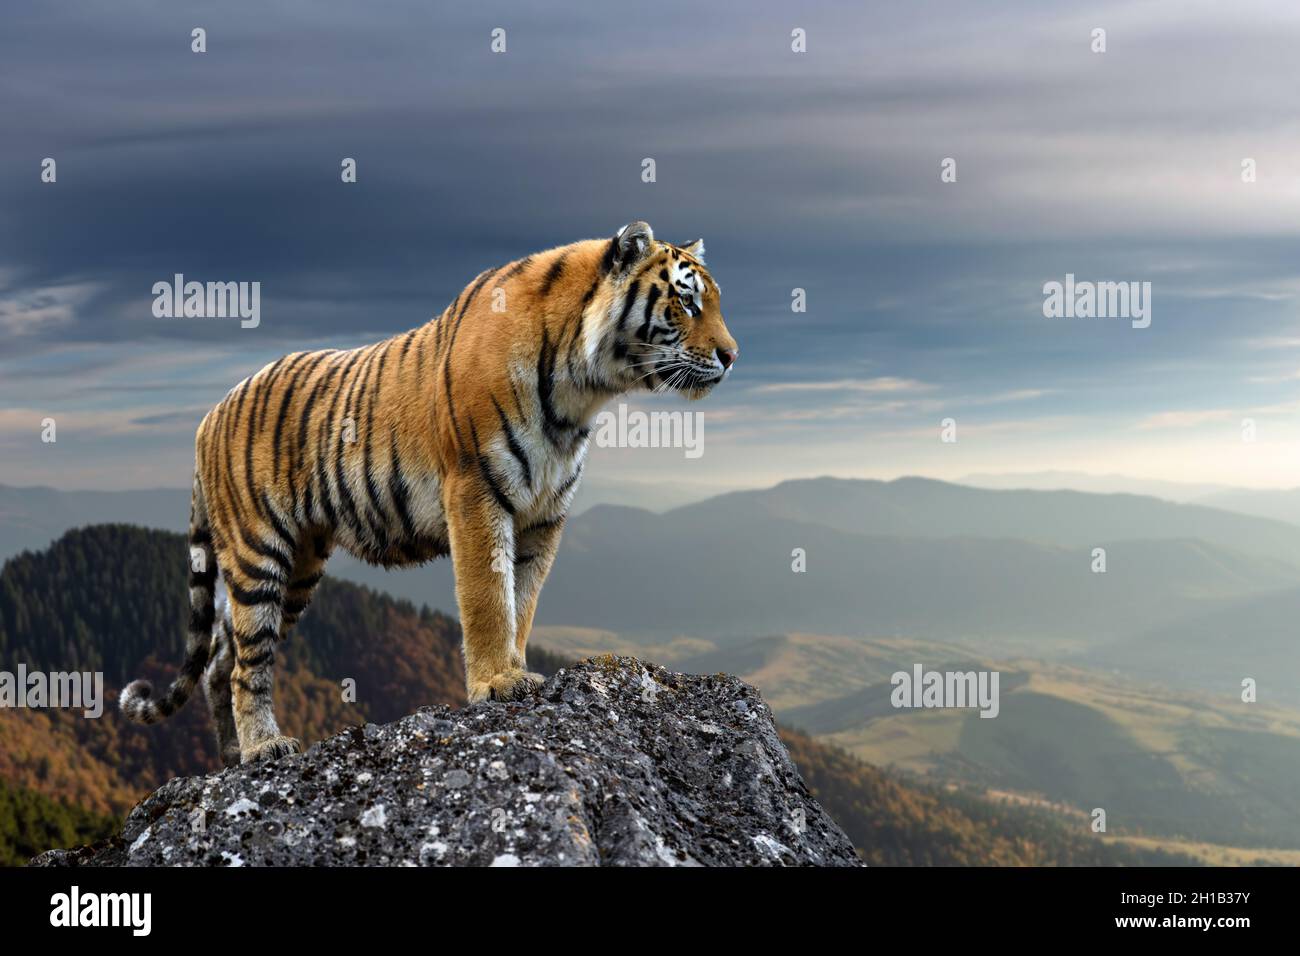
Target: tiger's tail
point(137, 699)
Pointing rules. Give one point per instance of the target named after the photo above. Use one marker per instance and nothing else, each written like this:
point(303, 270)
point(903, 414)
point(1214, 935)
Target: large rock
point(615, 762)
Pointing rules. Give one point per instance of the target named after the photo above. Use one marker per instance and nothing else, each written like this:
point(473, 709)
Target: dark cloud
point(817, 171)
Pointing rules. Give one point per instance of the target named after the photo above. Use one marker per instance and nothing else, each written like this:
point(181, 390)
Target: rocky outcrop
point(614, 762)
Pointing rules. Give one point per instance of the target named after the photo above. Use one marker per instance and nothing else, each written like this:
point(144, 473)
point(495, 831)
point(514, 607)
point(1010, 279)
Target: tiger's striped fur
point(466, 436)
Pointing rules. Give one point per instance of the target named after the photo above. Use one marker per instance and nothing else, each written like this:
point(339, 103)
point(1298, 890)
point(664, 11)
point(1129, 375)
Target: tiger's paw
point(273, 748)
point(508, 685)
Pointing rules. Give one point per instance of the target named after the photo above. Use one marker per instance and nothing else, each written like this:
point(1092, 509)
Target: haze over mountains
point(911, 557)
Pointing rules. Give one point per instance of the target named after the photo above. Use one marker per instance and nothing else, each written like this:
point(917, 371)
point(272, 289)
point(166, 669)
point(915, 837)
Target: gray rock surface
point(614, 762)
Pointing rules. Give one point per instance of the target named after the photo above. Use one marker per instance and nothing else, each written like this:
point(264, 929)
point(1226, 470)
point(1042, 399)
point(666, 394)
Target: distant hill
point(924, 508)
point(1274, 504)
point(1111, 484)
point(908, 557)
point(900, 824)
point(1166, 760)
point(33, 517)
point(1257, 637)
point(727, 574)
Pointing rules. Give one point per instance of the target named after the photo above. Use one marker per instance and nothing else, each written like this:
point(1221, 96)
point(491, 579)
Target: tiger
point(465, 437)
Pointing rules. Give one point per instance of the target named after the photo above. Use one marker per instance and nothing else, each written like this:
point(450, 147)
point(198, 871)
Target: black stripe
point(513, 444)
point(372, 492)
point(347, 504)
point(567, 484)
point(285, 534)
point(255, 573)
point(557, 522)
point(451, 343)
point(486, 470)
point(493, 487)
point(628, 301)
point(620, 347)
point(517, 268)
point(326, 498)
point(514, 394)
point(397, 487)
point(255, 596)
point(267, 384)
point(285, 402)
point(446, 382)
point(642, 333)
point(307, 583)
point(552, 423)
point(201, 619)
point(257, 660)
point(322, 447)
point(309, 501)
point(266, 551)
point(610, 256)
point(305, 421)
point(204, 578)
point(553, 274)
point(406, 345)
point(573, 347)
point(260, 636)
point(194, 666)
point(474, 291)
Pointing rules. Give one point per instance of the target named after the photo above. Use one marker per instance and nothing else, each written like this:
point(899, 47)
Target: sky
point(816, 170)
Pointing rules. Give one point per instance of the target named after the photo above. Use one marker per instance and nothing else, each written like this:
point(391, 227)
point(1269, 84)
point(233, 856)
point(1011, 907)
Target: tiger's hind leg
point(216, 686)
point(308, 566)
point(257, 576)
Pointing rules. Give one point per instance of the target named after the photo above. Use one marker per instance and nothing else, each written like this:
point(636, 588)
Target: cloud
point(42, 309)
point(1187, 418)
point(818, 171)
point(870, 385)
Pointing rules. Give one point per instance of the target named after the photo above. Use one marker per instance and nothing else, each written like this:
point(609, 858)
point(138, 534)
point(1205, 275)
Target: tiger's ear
point(695, 249)
point(632, 243)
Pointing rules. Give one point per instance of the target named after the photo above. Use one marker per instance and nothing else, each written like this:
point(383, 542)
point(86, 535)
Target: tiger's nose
point(727, 357)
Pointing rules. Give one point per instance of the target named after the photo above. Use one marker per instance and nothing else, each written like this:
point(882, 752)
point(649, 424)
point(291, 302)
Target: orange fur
point(465, 436)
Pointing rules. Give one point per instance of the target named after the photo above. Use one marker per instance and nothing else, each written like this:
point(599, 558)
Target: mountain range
point(112, 597)
point(992, 569)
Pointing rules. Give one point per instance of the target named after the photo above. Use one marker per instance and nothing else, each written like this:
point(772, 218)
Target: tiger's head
point(669, 332)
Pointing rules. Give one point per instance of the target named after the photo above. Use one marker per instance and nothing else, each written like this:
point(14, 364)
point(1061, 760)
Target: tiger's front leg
point(482, 554)
point(535, 549)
